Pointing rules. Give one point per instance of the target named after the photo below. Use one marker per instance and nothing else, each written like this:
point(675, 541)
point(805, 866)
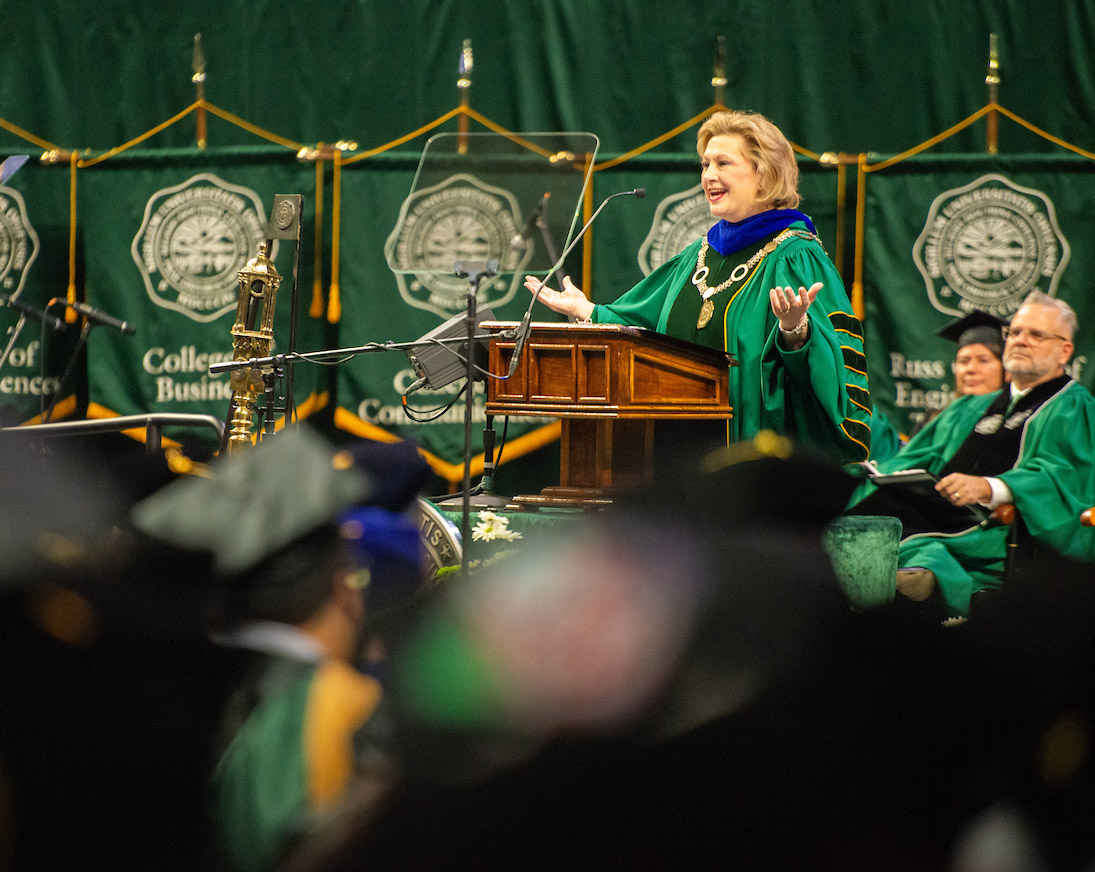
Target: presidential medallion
point(699, 277)
point(706, 311)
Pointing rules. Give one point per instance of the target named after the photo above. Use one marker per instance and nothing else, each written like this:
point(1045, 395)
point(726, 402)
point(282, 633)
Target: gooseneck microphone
point(96, 316)
point(526, 322)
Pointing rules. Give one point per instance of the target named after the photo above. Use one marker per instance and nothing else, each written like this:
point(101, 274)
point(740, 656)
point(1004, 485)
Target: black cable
point(441, 410)
point(501, 444)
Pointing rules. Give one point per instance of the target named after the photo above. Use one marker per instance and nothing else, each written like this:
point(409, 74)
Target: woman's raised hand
point(790, 307)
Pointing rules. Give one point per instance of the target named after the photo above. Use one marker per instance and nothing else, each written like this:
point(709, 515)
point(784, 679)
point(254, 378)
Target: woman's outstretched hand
point(570, 301)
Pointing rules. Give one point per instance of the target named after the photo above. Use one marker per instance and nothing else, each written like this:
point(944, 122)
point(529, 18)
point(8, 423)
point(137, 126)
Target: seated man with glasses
point(1031, 444)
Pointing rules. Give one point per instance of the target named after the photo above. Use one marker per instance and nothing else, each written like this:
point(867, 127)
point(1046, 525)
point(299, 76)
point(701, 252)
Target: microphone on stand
point(526, 323)
point(30, 311)
point(98, 317)
point(520, 241)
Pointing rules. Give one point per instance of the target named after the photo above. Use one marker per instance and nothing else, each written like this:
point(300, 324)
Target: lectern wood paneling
point(608, 384)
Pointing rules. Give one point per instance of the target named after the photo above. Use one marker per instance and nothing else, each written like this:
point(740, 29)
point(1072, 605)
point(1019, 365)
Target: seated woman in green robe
point(760, 286)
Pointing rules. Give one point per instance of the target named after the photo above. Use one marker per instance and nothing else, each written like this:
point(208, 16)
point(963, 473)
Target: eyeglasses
point(1037, 337)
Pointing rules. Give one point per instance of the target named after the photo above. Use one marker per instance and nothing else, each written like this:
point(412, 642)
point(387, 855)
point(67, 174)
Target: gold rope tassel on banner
point(860, 209)
point(1049, 137)
point(334, 299)
point(928, 143)
point(316, 309)
point(841, 209)
point(73, 163)
point(680, 128)
point(587, 244)
point(414, 134)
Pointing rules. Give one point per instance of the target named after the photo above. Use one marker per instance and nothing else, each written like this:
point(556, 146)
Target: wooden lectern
point(608, 383)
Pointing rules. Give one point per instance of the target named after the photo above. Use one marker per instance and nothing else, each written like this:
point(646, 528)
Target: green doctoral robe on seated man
point(1052, 482)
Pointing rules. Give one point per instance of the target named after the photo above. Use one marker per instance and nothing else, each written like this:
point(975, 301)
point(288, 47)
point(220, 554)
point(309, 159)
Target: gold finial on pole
point(464, 84)
point(198, 79)
point(993, 81)
point(718, 79)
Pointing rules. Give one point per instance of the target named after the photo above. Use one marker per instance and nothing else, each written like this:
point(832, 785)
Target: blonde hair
point(767, 149)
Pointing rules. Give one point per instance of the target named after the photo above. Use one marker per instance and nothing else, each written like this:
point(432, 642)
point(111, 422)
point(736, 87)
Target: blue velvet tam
point(389, 547)
point(373, 533)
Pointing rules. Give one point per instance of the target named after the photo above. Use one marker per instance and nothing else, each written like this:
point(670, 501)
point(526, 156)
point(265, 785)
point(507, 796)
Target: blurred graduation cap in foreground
point(256, 504)
point(53, 508)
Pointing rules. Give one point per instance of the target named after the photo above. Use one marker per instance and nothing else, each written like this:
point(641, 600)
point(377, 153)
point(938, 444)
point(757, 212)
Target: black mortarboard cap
point(398, 469)
point(53, 505)
point(976, 327)
point(255, 504)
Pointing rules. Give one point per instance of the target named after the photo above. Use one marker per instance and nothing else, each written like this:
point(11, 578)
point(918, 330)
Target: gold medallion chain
point(699, 277)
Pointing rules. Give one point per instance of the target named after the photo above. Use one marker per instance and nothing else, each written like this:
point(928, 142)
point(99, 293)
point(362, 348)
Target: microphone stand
point(484, 491)
point(278, 363)
point(81, 342)
point(335, 355)
point(289, 398)
point(526, 322)
point(474, 272)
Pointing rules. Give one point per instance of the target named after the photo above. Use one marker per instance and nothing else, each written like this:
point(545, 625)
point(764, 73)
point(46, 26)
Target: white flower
point(491, 526)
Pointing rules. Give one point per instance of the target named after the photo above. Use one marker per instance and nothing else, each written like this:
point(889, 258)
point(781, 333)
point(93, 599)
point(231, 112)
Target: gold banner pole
point(199, 86)
point(993, 81)
point(718, 77)
point(464, 84)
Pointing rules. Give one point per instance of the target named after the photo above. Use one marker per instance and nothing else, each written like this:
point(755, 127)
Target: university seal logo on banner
point(193, 240)
point(460, 219)
point(18, 242)
point(678, 221)
point(987, 245)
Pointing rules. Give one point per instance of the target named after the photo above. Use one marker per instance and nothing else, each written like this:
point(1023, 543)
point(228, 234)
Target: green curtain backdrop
point(850, 76)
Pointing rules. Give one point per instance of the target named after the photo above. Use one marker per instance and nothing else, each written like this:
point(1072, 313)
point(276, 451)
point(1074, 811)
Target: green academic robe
point(1052, 482)
point(818, 394)
point(289, 754)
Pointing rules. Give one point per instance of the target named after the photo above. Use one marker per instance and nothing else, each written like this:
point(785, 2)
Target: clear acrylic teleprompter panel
point(474, 194)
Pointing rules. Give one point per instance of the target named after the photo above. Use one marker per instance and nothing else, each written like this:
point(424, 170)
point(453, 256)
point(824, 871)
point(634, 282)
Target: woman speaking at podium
point(760, 286)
